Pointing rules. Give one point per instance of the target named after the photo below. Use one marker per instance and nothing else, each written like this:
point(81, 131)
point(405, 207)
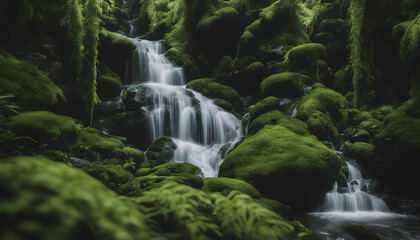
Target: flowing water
point(202, 131)
point(351, 201)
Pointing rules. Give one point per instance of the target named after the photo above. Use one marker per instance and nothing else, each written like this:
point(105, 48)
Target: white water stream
point(198, 127)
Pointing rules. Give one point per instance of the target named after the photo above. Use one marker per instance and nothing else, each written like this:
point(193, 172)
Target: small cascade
point(199, 128)
point(354, 195)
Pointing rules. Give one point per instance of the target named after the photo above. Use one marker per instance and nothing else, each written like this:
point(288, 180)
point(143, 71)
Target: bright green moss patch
point(324, 100)
point(44, 127)
point(31, 87)
point(363, 153)
point(266, 105)
point(278, 118)
point(47, 199)
point(212, 89)
point(111, 175)
point(322, 127)
point(117, 40)
point(301, 166)
point(285, 85)
point(227, 185)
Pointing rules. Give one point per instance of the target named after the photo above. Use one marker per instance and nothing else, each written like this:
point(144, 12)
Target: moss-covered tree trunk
point(73, 20)
point(362, 20)
point(93, 12)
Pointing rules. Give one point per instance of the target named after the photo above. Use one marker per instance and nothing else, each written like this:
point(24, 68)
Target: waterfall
point(198, 127)
point(354, 196)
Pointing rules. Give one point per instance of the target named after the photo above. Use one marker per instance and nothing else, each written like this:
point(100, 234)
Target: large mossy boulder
point(399, 143)
point(321, 126)
point(326, 101)
point(214, 90)
point(364, 153)
point(46, 199)
point(285, 85)
point(276, 117)
point(115, 51)
point(148, 178)
point(44, 127)
point(309, 59)
point(161, 150)
point(31, 87)
point(227, 185)
point(266, 105)
point(285, 166)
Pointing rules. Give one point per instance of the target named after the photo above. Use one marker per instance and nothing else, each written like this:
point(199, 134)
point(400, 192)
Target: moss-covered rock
point(227, 185)
point(109, 84)
point(283, 210)
point(31, 87)
point(343, 80)
point(227, 106)
point(301, 166)
point(278, 118)
point(181, 58)
point(399, 143)
point(359, 232)
point(111, 175)
point(212, 89)
point(363, 153)
point(285, 85)
point(161, 150)
point(181, 173)
point(266, 105)
point(309, 59)
point(44, 127)
point(321, 126)
point(47, 199)
point(323, 100)
point(247, 80)
point(115, 51)
point(360, 136)
point(134, 125)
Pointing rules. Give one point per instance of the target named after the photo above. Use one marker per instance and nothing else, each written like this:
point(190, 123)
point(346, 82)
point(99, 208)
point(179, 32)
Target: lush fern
point(182, 212)
point(362, 20)
point(308, 12)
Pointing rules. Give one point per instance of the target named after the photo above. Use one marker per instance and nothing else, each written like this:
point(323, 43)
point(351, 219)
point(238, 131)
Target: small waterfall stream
point(200, 129)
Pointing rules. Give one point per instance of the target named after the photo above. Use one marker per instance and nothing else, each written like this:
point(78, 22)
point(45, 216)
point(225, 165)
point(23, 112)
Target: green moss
point(111, 175)
point(324, 100)
point(343, 80)
point(109, 84)
point(47, 199)
point(212, 89)
point(246, 61)
point(363, 153)
point(322, 127)
point(318, 85)
point(44, 127)
point(227, 185)
point(227, 106)
point(278, 118)
point(225, 64)
point(266, 105)
point(181, 173)
point(182, 59)
point(301, 166)
point(117, 40)
point(284, 85)
point(161, 150)
point(283, 210)
point(31, 87)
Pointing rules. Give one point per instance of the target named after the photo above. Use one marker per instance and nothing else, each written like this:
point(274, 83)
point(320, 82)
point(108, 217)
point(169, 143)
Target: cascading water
point(199, 128)
point(353, 197)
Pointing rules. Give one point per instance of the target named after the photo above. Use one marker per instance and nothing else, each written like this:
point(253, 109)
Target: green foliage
point(363, 153)
point(73, 20)
point(301, 166)
point(31, 87)
point(47, 199)
point(308, 12)
point(278, 118)
point(361, 45)
point(45, 127)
